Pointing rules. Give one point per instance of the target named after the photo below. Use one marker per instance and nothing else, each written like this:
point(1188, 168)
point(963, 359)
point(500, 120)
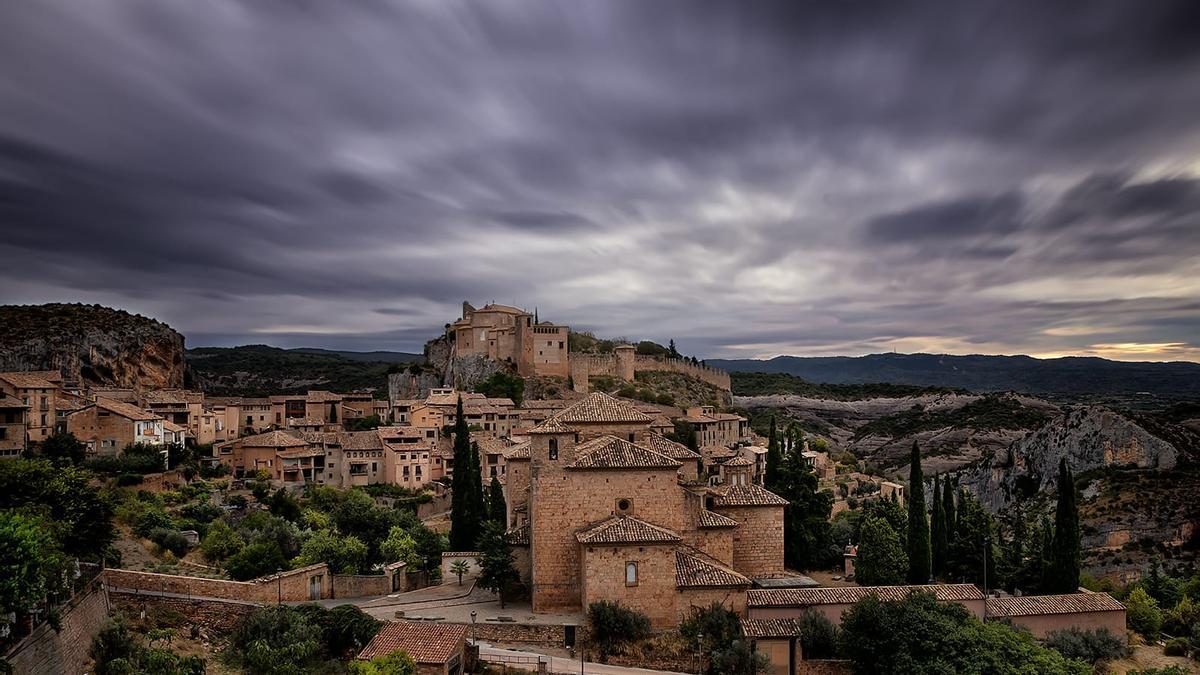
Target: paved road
point(558, 664)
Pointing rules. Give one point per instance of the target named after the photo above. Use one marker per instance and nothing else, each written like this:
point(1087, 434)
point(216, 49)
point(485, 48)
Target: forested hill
point(1070, 375)
point(256, 370)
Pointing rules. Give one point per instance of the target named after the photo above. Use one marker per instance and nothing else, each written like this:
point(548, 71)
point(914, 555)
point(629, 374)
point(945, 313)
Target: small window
point(630, 438)
point(631, 574)
point(624, 506)
point(553, 448)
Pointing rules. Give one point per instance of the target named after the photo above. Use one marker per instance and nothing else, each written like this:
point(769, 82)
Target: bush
point(254, 561)
point(1142, 614)
point(396, 663)
point(153, 518)
point(128, 479)
point(221, 542)
point(170, 540)
point(613, 625)
point(276, 640)
point(201, 513)
point(712, 628)
point(1091, 646)
point(818, 636)
point(209, 470)
point(1176, 647)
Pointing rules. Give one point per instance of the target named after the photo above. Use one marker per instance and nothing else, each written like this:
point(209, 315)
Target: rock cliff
point(91, 344)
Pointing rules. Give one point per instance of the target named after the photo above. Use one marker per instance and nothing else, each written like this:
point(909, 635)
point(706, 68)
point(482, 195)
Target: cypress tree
point(478, 506)
point(771, 478)
point(948, 515)
point(938, 547)
point(462, 533)
point(918, 526)
point(497, 508)
point(1065, 555)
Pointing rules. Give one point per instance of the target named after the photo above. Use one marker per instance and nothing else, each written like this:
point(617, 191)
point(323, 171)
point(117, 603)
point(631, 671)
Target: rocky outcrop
point(1088, 438)
point(90, 344)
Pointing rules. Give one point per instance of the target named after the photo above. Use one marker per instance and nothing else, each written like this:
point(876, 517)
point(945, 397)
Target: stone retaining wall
point(217, 617)
point(65, 651)
point(292, 585)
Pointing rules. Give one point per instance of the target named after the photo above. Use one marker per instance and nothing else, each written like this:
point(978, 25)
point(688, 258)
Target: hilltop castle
point(511, 335)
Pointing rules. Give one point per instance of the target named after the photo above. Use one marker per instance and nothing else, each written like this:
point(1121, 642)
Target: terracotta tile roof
point(431, 643)
point(716, 452)
point(694, 571)
point(27, 380)
point(770, 628)
point(307, 451)
point(670, 448)
point(1073, 603)
point(551, 426)
point(489, 445)
point(360, 440)
point(127, 410)
point(848, 595)
point(164, 397)
point(625, 530)
point(502, 309)
point(271, 439)
point(710, 519)
point(600, 407)
point(518, 452)
point(321, 396)
point(168, 425)
point(738, 461)
point(610, 452)
point(7, 401)
point(748, 495)
point(518, 536)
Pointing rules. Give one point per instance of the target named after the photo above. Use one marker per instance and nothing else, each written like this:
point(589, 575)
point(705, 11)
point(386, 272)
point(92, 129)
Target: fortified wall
point(624, 363)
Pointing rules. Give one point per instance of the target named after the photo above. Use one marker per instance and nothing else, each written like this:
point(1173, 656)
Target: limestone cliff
point(91, 344)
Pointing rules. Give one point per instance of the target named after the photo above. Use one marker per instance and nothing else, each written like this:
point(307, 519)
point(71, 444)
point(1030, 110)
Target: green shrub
point(170, 540)
point(1176, 647)
point(613, 625)
point(221, 542)
point(152, 519)
point(128, 479)
point(818, 636)
point(1142, 614)
point(1091, 646)
point(255, 560)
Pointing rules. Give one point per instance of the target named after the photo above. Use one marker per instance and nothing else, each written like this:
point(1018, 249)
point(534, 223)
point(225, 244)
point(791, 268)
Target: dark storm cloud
point(743, 177)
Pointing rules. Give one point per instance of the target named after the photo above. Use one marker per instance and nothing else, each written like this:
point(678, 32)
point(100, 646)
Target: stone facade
point(624, 363)
point(65, 651)
point(510, 335)
point(306, 583)
point(12, 426)
point(758, 539)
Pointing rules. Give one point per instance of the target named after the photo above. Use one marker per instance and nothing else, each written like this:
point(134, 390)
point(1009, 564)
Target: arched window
point(631, 574)
point(553, 448)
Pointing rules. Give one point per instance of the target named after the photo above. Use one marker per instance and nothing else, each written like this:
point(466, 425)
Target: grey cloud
point(772, 173)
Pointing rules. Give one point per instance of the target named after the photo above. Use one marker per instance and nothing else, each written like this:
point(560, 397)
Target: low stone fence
point(360, 585)
point(65, 651)
point(306, 583)
point(215, 616)
point(523, 633)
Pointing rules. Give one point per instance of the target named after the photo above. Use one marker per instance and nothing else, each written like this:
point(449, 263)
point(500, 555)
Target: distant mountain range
point(1067, 376)
point(257, 370)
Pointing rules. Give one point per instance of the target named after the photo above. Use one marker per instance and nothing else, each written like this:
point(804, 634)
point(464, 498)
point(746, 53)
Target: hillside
point(1067, 376)
point(1137, 473)
point(953, 429)
point(259, 370)
point(91, 344)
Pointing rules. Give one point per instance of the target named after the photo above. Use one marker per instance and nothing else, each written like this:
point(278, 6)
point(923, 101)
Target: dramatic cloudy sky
point(808, 178)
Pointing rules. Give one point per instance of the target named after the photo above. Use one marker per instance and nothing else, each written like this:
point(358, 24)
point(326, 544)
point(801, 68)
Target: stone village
point(602, 504)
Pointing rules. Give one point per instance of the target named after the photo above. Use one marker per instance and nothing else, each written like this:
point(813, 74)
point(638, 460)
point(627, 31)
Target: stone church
point(607, 510)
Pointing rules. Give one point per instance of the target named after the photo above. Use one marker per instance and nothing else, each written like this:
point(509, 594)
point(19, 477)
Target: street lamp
point(473, 641)
point(279, 586)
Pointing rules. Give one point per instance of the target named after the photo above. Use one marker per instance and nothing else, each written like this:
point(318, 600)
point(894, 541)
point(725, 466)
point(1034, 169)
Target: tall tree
point(971, 555)
point(463, 525)
point(881, 560)
point(475, 493)
point(948, 514)
point(497, 508)
point(806, 530)
point(918, 525)
point(774, 458)
point(938, 546)
point(496, 569)
point(1065, 555)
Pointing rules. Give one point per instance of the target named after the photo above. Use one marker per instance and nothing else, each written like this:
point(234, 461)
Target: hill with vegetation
point(1068, 376)
point(259, 370)
point(91, 344)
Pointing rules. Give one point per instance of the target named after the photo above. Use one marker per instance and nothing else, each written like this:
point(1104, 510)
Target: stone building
point(1043, 614)
point(610, 517)
point(511, 335)
point(717, 428)
point(12, 426)
point(106, 426)
point(437, 648)
point(831, 602)
point(38, 390)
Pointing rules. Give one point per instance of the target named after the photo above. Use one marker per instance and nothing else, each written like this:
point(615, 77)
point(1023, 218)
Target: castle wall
point(626, 367)
point(758, 539)
point(46, 650)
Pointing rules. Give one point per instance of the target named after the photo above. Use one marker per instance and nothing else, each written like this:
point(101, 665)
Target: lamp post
point(279, 586)
point(474, 643)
